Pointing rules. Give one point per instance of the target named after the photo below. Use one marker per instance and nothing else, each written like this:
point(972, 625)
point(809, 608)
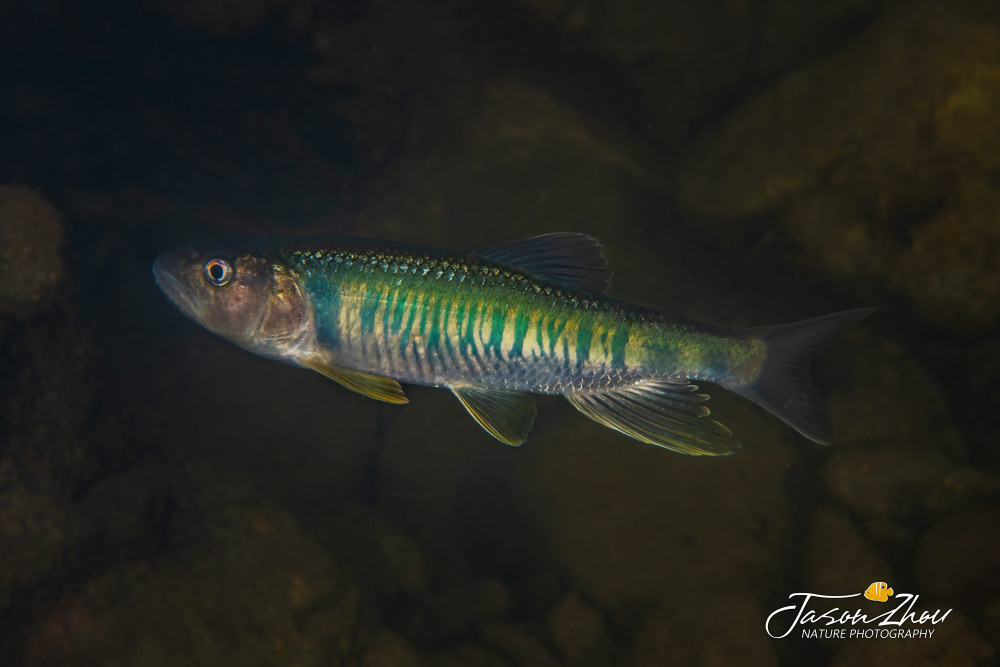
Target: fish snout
point(168, 271)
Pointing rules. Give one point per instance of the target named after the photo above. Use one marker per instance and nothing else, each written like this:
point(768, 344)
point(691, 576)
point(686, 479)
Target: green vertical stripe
point(467, 333)
point(497, 326)
point(538, 333)
point(369, 305)
point(403, 301)
point(434, 337)
point(329, 320)
point(391, 298)
point(618, 343)
point(424, 311)
point(445, 316)
point(521, 319)
point(555, 327)
point(411, 317)
point(584, 333)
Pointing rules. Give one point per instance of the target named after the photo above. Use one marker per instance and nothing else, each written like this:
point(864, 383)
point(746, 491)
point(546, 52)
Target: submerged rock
point(465, 655)
point(887, 395)
point(989, 623)
point(961, 487)
point(242, 584)
point(631, 524)
point(377, 551)
point(958, 559)
point(891, 480)
point(31, 241)
point(578, 631)
point(711, 628)
point(517, 645)
point(895, 439)
point(683, 56)
point(877, 160)
point(838, 560)
point(457, 611)
point(955, 643)
point(37, 532)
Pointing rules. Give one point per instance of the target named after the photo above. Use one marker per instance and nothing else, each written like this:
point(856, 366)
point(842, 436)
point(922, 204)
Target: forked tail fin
point(783, 387)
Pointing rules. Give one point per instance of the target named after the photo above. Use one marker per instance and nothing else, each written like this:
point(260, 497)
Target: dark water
point(168, 499)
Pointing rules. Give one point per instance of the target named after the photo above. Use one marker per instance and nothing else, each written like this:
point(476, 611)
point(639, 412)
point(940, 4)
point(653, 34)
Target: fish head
point(245, 296)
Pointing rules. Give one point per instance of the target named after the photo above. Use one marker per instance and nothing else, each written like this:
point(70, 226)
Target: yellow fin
point(506, 415)
point(373, 386)
point(660, 412)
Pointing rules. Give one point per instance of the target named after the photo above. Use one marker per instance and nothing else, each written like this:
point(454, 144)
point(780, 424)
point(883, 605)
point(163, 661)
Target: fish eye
point(218, 271)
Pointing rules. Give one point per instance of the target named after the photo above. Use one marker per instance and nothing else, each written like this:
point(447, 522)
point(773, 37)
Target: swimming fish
point(496, 326)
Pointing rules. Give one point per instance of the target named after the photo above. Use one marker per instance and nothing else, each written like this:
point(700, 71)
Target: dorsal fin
point(566, 259)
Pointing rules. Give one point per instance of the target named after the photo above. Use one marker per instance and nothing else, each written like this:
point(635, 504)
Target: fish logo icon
point(878, 591)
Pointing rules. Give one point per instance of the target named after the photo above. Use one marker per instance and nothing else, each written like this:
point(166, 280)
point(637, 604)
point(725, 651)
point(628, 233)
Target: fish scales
point(495, 326)
point(489, 325)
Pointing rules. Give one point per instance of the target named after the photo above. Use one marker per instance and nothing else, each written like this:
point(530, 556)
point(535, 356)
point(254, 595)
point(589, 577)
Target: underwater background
point(168, 499)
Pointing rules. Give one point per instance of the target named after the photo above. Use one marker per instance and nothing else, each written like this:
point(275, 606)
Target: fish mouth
point(166, 269)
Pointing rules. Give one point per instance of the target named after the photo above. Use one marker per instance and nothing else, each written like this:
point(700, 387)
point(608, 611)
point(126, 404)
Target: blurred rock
point(387, 559)
point(989, 623)
point(715, 627)
point(895, 439)
point(465, 655)
point(578, 631)
point(38, 530)
point(886, 395)
point(888, 177)
point(983, 398)
point(519, 647)
point(54, 445)
point(387, 649)
point(457, 611)
point(890, 480)
point(682, 56)
point(960, 487)
point(421, 471)
point(247, 588)
point(630, 524)
point(958, 560)
point(955, 643)
point(31, 240)
point(305, 440)
point(527, 162)
point(837, 559)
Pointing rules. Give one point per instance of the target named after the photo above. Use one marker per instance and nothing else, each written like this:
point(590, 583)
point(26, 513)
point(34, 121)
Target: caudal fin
point(784, 388)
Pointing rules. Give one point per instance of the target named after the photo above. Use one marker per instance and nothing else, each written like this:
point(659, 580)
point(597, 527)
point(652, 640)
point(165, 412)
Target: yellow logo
point(879, 591)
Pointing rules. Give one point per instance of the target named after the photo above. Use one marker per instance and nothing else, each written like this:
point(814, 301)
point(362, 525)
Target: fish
point(879, 591)
point(495, 327)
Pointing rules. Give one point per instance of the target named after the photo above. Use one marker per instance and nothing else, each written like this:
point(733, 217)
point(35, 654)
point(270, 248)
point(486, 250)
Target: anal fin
point(506, 415)
point(658, 412)
point(373, 386)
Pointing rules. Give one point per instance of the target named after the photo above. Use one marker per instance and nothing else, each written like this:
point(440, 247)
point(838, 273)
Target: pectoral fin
point(660, 413)
point(506, 415)
point(372, 386)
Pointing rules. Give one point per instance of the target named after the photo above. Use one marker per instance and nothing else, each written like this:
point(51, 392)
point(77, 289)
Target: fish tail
point(783, 386)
